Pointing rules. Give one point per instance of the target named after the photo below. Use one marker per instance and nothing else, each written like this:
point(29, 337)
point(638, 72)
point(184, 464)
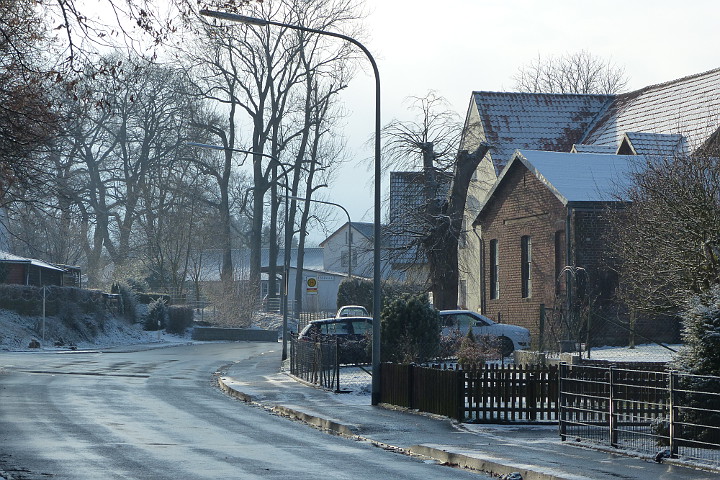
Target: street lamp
point(376, 241)
point(286, 259)
point(350, 239)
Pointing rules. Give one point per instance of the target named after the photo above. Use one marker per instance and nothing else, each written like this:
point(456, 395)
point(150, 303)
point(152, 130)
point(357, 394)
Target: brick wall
point(522, 205)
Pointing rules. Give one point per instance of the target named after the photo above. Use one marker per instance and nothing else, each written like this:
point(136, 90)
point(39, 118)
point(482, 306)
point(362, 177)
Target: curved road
point(155, 414)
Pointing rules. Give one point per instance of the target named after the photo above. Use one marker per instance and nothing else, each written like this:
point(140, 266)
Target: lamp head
point(233, 17)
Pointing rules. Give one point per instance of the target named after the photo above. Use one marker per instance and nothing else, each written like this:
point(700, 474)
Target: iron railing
point(667, 414)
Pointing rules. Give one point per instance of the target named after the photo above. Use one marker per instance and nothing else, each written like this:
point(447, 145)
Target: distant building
point(336, 252)
point(408, 201)
point(29, 271)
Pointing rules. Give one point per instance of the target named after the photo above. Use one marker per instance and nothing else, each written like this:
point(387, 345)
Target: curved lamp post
point(349, 226)
point(376, 241)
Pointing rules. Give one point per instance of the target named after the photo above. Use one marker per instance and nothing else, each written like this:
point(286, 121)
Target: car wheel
point(507, 347)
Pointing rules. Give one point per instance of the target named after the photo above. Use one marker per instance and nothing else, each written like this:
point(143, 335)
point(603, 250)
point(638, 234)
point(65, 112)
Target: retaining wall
point(234, 334)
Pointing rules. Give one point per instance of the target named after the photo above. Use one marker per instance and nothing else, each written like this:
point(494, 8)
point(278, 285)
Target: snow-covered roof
point(9, 257)
point(674, 117)
point(577, 177)
point(212, 261)
point(537, 121)
point(652, 144)
point(688, 106)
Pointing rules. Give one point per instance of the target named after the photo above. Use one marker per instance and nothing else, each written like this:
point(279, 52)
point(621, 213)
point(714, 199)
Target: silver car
point(511, 337)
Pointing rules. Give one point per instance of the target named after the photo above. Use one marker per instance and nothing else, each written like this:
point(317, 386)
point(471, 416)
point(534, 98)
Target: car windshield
point(353, 312)
point(359, 326)
point(464, 320)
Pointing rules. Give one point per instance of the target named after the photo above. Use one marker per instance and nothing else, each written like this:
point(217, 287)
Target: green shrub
point(357, 291)
point(700, 357)
point(157, 316)
point(410, 330)
point(179, 319)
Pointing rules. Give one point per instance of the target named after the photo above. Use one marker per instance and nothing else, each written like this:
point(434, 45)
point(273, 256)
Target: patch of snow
point(640, 353)
point(86, 332)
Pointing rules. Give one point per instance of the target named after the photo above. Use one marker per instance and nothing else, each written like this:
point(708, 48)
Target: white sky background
point(456, 47)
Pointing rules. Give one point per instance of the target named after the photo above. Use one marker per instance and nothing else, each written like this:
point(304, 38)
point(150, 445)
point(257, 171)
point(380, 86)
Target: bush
point(478, 350)
point(179, 319)
point(410, 330)
point(128, 301)
point(357, 291)
point(700, 357)
point(157, 316)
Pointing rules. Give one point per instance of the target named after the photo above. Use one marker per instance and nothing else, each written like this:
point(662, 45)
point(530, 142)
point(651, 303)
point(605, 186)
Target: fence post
point(673, 419)
point(460, 397)
point(561, 402)
point(611, 409)
point(531, 401)
point(337, 364)
point(410, 384)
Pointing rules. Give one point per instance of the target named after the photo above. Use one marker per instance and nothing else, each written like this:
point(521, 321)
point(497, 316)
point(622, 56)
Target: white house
point(350, 240)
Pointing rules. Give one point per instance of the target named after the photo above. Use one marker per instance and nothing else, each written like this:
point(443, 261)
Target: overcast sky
point(456, 47)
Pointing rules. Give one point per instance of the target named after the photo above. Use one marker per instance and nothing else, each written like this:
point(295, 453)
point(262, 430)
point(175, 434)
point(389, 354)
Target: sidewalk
point(536, 452)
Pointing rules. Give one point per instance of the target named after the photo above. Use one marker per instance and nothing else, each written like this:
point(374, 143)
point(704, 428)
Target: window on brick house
point(494, 270)
point(526, 259)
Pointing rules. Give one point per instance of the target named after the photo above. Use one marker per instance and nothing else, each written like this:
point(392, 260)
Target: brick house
point(679, 116)
point(529, 262)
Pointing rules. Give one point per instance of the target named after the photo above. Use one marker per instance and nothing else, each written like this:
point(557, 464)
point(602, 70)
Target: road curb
point(474, 462)
point(471, 462)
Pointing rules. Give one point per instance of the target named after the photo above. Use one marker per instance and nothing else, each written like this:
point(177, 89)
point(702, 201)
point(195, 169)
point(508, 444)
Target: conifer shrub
point(699, 392)
point(410, 330)
point(157, 316)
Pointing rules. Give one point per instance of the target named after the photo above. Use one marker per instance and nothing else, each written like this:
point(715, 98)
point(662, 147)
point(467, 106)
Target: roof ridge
point(670, 82)
point(492, 92)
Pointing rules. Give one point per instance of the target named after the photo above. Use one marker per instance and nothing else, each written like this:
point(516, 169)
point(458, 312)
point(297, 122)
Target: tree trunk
point(442, 241)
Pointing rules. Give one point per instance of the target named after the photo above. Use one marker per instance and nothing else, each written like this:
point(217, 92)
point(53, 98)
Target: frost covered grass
point(17, 332)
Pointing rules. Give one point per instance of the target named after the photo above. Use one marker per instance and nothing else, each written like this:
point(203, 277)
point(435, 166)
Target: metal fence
point(321, 363)
point(668, 414)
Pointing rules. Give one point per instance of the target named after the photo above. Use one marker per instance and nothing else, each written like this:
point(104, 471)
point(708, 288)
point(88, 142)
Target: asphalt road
point(156, 414)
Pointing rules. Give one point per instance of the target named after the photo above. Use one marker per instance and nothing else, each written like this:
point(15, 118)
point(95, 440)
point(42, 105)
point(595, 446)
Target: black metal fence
point(325, 363)
point(669, 414)
point(315, 362)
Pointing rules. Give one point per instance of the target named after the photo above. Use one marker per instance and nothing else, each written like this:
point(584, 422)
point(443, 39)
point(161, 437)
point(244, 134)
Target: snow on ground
point(640, 353)
point(17, 332)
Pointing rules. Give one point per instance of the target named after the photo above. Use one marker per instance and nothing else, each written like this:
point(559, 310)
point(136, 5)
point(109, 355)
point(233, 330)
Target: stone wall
point(234, 334)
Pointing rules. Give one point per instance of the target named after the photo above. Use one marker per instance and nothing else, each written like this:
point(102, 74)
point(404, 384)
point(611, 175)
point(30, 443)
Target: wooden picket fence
point(487, 393)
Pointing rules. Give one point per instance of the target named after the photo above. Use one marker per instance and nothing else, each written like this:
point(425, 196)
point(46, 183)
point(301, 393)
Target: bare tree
point(433, 229)
point(28, 119)
point(579, 72)
point(261, 77)
point(666, 238)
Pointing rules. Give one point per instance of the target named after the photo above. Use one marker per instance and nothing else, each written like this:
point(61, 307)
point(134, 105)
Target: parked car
point(352, 311)
point(510, 337)
point(352, 333)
